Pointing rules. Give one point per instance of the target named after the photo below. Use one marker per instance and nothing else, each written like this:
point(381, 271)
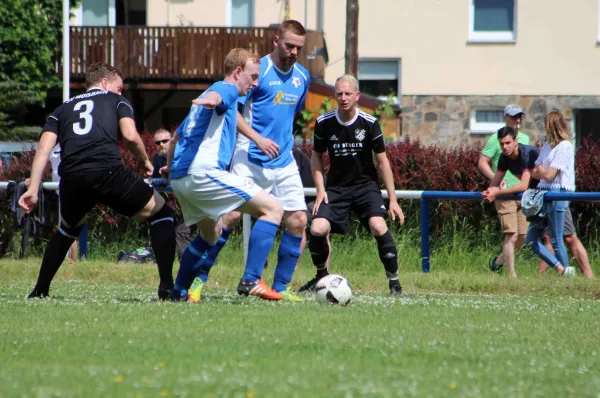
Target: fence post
point(83, 252)
point(247, 227)
point(425, 250)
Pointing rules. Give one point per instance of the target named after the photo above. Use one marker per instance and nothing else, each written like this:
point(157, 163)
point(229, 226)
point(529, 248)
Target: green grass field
point(460, 331)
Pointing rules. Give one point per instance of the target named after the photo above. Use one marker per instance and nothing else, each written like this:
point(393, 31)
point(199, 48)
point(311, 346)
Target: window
point(240, 13)
point(379, 78)
point(598, 38)
point(493, 21)
point(486, 121)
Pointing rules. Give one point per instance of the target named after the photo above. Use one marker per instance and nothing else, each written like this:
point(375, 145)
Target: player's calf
point(388, 254)
point(54, 255)
point(162, 235)
point(319, 252)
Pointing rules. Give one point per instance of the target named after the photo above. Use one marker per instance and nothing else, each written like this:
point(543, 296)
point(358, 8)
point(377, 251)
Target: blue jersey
point(207, 136)
point(270, 109)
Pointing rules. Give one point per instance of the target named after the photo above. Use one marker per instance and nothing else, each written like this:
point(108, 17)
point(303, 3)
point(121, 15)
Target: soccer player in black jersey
point(352, 136)
point(87, 128)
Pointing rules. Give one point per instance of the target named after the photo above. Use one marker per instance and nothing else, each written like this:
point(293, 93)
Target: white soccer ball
point(333, 289)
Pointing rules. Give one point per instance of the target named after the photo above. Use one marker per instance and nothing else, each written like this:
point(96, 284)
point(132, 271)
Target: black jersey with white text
point(350, 145)
point(87, 127)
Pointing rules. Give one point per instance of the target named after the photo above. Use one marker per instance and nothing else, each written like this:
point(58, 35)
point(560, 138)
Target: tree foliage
point(29, 40)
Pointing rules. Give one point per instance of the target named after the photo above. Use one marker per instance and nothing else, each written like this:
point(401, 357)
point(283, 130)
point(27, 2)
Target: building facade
point(452, 65)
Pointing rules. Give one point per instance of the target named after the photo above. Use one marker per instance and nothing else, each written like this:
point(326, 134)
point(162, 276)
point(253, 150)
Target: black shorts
point(365, 200)
point(118, 188)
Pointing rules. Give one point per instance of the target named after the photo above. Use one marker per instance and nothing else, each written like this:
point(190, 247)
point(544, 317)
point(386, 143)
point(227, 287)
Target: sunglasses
point(162, 141)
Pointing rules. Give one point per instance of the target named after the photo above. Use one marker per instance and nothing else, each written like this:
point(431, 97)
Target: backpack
point(140, 255)
point(532, 205)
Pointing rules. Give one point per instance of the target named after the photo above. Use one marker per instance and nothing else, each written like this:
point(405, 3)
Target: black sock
point(162, 235)
point(388, 254)
point(54, 255)
point(319, 251)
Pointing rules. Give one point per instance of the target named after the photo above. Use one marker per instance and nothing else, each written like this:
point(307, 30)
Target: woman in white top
point(555, 168)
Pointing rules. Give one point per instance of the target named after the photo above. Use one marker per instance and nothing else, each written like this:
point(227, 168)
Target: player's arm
point(134, 143)
point(29, 199)
point(318, 166)
point(264, 144)
point(210, 100)
point(165, 171)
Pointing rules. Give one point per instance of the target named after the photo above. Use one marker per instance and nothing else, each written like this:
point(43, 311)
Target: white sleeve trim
point(123, 102)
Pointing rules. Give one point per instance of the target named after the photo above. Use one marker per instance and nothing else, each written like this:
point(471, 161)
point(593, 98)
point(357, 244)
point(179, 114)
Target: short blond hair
point(238, 57)
point(293, 26)
point(348, 78)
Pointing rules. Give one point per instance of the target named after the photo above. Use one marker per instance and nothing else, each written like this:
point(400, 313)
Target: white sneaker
point(569, 272)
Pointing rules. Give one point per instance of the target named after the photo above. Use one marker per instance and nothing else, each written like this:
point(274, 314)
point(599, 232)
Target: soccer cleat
point(311, 284)
point(165, 292)
point(496, 268)
point(259, 289)
point(395, 288)
point(289, 295)
point(195, 291)
point(38, 294)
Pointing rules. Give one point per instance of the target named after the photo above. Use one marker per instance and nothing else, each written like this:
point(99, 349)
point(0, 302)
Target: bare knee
point(377, 226)
point(272, 211)
point(510, 238)
point(319, 227)
point(295, 222)
point(210, 230)
point(155, 203)
point(231, 219)
point(571, 240)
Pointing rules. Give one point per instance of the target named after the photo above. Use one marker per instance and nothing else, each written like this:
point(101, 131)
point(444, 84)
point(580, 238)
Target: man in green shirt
point(513, 222)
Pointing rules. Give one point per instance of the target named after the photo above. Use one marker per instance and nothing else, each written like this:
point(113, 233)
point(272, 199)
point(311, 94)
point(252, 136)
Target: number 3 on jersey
point(86, 115)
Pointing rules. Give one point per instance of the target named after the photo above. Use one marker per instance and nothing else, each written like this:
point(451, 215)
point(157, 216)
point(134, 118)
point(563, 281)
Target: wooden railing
point(176, 54)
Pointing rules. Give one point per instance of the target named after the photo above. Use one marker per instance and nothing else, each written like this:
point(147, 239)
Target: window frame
point(398, 60)
point(491, 36)
point(229, 14)
point(484, 127)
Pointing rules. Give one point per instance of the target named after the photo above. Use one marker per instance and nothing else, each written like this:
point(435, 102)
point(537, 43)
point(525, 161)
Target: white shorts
point(212, 194)
point(284, 184)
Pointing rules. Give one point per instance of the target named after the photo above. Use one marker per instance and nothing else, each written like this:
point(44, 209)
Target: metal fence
point(425, 197)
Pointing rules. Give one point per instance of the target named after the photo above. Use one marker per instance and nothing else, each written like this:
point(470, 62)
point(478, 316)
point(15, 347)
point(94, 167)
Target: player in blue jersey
point(201, 150)
point(264, 150)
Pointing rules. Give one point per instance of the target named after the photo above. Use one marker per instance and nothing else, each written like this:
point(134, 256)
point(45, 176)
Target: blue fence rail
point(425, 197)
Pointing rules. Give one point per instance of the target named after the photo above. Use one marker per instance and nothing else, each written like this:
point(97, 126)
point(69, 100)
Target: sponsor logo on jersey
point(282, 98)
point(360, 134)
point(275, 83)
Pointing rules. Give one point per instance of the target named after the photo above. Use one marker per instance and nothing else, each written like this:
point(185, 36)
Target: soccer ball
point(333, 289)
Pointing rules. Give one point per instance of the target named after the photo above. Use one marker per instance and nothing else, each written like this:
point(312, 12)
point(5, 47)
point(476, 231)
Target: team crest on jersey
point(296, 81)
point(360, 134)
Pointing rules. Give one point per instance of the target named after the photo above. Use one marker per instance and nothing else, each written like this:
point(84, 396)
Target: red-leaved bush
point(415, 166)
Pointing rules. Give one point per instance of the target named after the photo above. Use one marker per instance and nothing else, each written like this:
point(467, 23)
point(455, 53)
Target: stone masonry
point(445, 120)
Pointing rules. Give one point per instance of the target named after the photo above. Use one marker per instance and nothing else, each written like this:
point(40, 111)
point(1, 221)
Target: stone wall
point(445, 120)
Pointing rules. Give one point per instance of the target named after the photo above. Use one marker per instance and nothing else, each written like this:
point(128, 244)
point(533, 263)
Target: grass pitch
point(462, 332)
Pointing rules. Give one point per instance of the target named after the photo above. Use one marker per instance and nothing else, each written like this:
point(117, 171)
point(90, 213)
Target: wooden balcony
point(161, 56)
